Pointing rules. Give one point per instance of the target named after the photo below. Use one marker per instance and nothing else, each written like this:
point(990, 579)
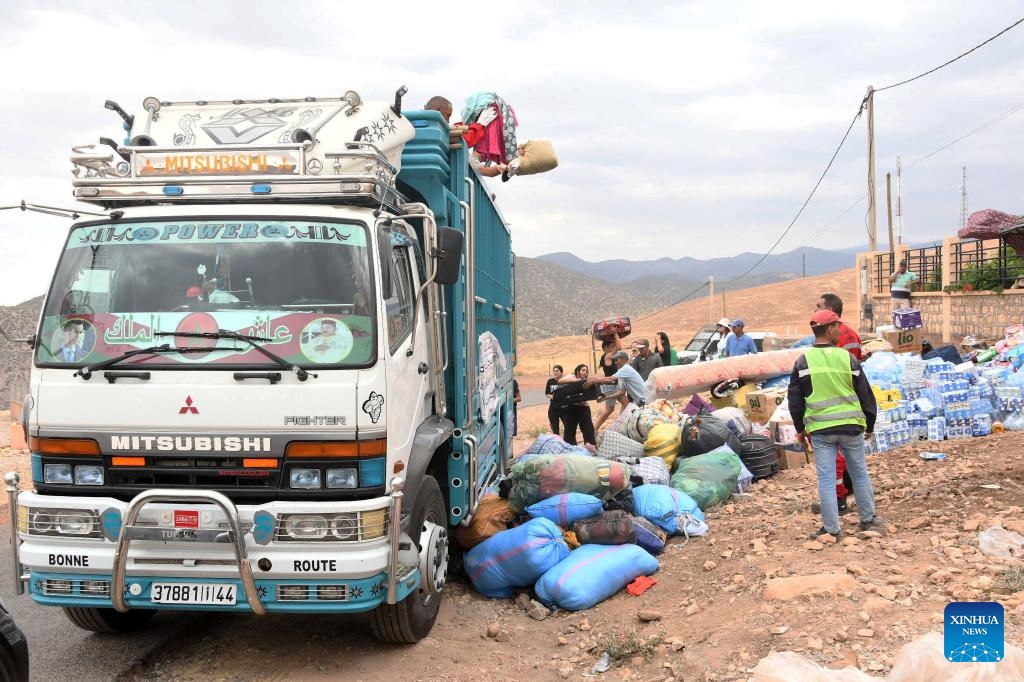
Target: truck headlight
point(89, 474)
point(40, 521)
point(308, 479)
point(57, 473)
point(305, 526)
point(75, 523)
point(83, 523)
point(345, 526)
point(342, 478)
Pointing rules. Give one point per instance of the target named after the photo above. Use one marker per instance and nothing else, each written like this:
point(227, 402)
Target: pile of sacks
point(577, 528)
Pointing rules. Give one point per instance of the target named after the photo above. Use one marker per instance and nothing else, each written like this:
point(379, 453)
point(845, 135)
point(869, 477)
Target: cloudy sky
point(682, 128)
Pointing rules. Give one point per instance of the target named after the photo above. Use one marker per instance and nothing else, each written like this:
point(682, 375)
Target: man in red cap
point(832, 406)
point(849, 340)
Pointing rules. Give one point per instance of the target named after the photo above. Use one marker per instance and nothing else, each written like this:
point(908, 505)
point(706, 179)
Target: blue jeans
point(825, 446)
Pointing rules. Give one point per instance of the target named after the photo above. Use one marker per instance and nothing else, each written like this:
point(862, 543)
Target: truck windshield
point(304, 285)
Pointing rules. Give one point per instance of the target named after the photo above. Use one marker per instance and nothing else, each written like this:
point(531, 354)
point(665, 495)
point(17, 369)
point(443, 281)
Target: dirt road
point(717, 606)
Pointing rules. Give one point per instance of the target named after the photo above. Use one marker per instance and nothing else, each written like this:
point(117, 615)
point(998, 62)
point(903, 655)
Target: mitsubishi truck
point(272, 370)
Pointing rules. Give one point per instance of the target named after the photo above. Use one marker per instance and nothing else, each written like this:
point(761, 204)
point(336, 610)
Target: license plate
point(192, 593)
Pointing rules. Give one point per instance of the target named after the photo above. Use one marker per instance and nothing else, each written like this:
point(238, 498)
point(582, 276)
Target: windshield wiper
point(252, 341)
point(86, 372)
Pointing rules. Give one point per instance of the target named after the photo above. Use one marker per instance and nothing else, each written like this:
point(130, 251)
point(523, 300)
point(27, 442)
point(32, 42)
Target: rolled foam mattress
point(681, 381)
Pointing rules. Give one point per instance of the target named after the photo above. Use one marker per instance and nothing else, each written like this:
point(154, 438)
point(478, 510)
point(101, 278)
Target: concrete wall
point(947, 317)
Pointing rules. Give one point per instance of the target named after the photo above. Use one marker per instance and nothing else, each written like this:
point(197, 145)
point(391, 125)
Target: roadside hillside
point(15, 358)
point(553, 301)
point(782, 307)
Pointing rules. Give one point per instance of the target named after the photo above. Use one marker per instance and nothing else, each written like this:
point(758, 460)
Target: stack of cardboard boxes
point(906, 332)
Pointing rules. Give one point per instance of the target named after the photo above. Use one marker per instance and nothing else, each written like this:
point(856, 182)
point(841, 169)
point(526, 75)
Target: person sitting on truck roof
point(739, 343)
point(472, 133)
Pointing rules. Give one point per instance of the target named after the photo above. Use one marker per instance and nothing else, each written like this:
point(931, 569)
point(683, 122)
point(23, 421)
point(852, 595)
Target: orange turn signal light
point(128, 461)
point(329, 449)
point(74, 447)
point(259, 463)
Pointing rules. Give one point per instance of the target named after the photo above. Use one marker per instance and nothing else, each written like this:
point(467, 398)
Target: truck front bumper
point(200, 538)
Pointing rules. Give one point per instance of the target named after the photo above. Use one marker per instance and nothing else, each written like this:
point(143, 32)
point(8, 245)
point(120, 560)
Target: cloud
point(682, 128)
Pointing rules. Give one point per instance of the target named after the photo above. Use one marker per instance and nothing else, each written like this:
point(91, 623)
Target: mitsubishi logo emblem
point(188, 408)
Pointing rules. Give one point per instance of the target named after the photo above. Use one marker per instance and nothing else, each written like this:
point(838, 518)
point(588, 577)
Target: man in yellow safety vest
point(832, 406)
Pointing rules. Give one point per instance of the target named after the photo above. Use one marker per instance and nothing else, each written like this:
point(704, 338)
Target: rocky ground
point(754, 585)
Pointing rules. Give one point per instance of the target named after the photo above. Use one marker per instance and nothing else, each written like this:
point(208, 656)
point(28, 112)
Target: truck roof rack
point(297, 150)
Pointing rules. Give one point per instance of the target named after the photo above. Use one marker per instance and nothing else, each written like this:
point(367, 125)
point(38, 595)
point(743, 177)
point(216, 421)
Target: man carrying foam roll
point(832, 406)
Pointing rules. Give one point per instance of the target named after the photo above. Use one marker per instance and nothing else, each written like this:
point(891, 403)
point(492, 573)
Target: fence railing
point(974, 265)
point(926, 262)
point(984, 265)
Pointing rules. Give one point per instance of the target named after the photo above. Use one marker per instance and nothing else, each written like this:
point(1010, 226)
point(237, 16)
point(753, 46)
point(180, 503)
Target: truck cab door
point(408, 384)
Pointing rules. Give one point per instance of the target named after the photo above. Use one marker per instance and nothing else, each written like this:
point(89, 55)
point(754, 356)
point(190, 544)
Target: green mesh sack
point(709, 478)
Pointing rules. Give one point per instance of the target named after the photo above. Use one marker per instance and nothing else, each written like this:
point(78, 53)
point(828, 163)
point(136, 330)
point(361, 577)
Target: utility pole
point(711, 298)
point(872, 225)
point(803, 262)
point(963, 199)
point(888, 203)
point(899, 201)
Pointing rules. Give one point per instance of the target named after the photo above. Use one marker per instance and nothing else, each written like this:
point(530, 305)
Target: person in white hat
point(717, 341)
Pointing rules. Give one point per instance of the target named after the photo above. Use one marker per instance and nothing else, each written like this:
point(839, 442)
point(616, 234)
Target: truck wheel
point(108, 620)
point(410, 620)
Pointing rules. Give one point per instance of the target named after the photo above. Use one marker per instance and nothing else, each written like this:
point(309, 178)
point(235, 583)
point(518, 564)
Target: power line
point(810, 196)
point(684, 298)
point(958, 57)
point(1013, 110)
point(988, 123)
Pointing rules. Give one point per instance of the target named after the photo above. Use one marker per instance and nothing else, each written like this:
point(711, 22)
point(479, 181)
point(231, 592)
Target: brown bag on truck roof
point(538, 156)
point(492, 516)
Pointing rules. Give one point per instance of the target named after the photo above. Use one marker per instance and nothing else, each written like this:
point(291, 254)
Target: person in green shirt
point(899, 285)
point(663, 348)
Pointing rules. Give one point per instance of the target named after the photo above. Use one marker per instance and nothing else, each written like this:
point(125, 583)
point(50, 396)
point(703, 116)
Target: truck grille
point(76, 587)
point(291, 592)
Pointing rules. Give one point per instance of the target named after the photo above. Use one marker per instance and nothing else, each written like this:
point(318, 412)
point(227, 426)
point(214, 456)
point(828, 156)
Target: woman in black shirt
point(578, 414)
point(555, 415)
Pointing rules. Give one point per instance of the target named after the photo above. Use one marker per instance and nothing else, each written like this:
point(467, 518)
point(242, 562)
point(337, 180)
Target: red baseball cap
point(822, 318)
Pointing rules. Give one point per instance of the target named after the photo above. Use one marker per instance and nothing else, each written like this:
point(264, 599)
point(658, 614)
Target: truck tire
point(411, 619)
point(108, 620)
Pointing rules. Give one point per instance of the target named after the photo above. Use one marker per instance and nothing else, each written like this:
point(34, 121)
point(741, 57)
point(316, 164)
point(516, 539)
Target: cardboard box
point(887, 395)
point(905, 340)
point(761, 404)
point(791, 455)
point(907, 318)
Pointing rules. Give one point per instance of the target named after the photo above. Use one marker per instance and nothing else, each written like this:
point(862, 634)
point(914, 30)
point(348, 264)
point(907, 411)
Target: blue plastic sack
point(515, 557)
point(593, 573)
point(649, 536)
point(663, 506)
point(566, 509)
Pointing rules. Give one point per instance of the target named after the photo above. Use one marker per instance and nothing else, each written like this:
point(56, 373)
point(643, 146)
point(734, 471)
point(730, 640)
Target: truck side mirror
point(31, 340)
point(448, 255)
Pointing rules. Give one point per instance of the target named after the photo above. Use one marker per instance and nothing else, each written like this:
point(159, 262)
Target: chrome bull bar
point(233, 535)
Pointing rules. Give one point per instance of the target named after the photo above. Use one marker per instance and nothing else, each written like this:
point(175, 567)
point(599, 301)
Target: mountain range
point(808, 260)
